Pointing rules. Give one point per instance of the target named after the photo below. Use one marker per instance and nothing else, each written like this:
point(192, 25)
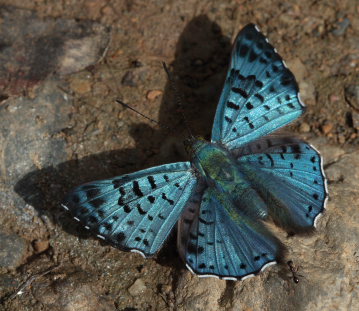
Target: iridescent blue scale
point(233, 184)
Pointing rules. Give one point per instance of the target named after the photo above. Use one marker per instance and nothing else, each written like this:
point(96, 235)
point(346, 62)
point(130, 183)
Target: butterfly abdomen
point(219, 168)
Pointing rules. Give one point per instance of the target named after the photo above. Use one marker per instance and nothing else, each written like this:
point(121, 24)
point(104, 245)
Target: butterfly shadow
point(200, 65)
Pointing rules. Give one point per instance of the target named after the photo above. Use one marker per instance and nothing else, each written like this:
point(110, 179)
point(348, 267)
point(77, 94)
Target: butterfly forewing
point(260, 93)
point(135, 211)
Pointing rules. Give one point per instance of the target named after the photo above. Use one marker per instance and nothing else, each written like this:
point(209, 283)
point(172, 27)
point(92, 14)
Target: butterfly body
point(221, 200)
point(220, 170)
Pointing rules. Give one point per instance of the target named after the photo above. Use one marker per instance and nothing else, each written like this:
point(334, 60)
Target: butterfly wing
point(289, 174)
point(216, 239)
point(260, 93)
point(136, 211)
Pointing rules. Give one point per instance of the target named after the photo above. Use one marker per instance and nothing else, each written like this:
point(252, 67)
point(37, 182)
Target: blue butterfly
point(234, 183)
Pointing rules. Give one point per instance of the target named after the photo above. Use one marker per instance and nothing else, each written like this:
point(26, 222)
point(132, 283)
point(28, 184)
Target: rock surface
point(13, 250)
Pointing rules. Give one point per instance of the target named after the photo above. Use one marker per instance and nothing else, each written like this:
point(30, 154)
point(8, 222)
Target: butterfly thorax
point(221, 171)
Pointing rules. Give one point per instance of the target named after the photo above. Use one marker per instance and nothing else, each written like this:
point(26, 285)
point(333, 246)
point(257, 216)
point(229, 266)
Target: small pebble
point(152, 95)
point(13, 250)
point(304, 127)
point(352, 95)
point(353, 136)
point(128, 79)
point(326, 128)
point(137, 288)
point(341, 27)
point(341, 139)
point(40, 246)
point(355, 117)
point(81, 86)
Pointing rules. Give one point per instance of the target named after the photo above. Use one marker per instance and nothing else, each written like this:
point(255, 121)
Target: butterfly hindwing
point(219, 240)
point(288, 173)
point(260, 93)
point(135, 211)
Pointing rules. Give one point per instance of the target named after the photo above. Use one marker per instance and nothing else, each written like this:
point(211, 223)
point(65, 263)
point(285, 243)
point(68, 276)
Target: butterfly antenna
point(178, 97)
point(143, 115)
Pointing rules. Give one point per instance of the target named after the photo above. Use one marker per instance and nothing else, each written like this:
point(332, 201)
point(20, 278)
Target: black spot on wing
point(291, 106)
point(252, 56)
point(164, 197)
point(205, 222)
point(136, 189)
point(121, 236)
point(152, 182)
point(122, 191)
point(92, 219)
point(121, 201)
point(240, 91)
point(275, 68)
point(258, 84)
point(98, 202)
point(127, 209)
point(272, 89)
point(140, 210)
point(151, 199)
point(232, 105)
point(249, 106)
point(116, 183)
point(243, 50)
point(270, 159)
point(229, 120)
point(260, 97)
point(107, 226)
point(75, 198)
point(263, 60)
point(91, 193)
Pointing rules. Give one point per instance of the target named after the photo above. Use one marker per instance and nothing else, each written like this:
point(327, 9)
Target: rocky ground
point(62, 65)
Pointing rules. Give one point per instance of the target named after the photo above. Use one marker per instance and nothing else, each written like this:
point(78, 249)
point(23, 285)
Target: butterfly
point(221, 199)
